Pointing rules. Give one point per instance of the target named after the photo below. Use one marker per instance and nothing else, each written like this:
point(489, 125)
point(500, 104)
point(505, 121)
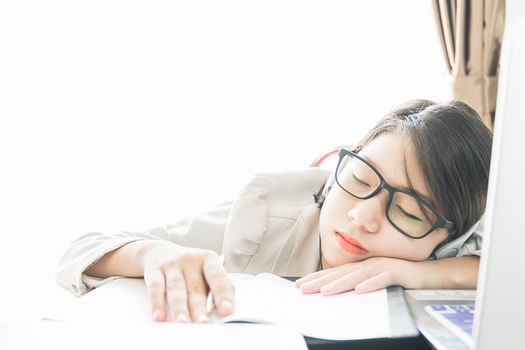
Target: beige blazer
point(273, 226)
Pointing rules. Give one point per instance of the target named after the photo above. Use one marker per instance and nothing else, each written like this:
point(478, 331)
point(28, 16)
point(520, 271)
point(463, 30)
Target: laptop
point(495, 317)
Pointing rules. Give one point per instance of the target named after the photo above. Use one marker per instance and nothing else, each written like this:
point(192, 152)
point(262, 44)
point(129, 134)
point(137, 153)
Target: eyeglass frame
point(439, 222)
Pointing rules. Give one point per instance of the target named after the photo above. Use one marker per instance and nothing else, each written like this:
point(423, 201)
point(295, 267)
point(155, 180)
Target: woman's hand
point(364, 276)
point(178, 280)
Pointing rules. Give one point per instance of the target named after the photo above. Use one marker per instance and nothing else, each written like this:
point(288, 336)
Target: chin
point(341, 258)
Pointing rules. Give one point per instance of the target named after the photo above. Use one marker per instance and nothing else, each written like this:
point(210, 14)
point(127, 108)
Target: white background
point(131, 114)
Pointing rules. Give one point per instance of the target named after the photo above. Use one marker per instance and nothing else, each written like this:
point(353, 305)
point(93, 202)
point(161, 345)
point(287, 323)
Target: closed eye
point(359, 181)
point(407, 214)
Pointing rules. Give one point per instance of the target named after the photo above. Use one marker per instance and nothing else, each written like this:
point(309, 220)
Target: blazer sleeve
point(204, 231)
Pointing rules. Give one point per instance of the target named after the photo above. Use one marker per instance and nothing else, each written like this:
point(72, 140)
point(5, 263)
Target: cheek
point(324, 220)
point(331, 212)
point(334, 208)
point(416, 250)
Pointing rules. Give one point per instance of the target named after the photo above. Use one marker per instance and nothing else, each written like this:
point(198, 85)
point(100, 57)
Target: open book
point(268, 298)
point(264, 298)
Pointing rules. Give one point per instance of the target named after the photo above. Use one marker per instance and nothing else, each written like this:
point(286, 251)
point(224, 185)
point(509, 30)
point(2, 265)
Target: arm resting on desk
point(381, 272)
point(452, 273)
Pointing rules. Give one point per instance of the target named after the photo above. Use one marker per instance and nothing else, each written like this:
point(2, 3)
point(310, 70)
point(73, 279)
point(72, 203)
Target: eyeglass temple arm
point(318, 161)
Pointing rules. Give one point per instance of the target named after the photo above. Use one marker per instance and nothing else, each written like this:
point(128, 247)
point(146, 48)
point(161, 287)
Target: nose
point(367, 214)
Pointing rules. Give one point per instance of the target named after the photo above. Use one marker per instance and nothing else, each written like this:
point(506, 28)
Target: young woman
point(402, 208)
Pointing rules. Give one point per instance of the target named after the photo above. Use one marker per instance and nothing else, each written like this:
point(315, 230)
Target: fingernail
point(182, 318)
point(226, 306)
point(202, 318)
point(325, 290)
point(360, 287)
point(307, 285)
point(157, 315)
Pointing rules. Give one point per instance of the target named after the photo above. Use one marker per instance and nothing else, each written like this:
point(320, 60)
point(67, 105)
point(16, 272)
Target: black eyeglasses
point(406, 211)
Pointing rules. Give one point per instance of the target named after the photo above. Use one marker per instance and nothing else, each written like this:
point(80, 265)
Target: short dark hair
point(453, 150)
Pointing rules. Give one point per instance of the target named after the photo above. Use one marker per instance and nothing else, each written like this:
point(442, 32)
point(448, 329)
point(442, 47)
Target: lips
point(350, 244)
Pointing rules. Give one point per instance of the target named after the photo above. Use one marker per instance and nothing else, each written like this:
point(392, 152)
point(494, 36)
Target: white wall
point(130, 114)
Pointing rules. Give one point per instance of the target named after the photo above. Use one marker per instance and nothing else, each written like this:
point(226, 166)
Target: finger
point(346, 282)
point(155, 286)
point(197, 293)
point(176, 295)
point(380, 281)
point(315, 285)
point(220, 285)
point(308, 278)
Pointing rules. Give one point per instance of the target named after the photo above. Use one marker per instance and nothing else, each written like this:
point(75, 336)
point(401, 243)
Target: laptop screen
point(500, 307)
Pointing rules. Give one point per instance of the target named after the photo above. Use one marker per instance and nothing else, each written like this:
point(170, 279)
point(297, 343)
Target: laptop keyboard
point(458, 318)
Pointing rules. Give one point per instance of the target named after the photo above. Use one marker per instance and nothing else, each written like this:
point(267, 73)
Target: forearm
point(125, 261)
point(453, 273)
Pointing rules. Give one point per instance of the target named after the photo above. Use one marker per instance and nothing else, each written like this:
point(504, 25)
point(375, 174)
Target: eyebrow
point(421, 195)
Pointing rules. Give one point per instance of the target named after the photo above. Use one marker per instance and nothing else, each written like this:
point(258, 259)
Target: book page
point(62, 335)
point(272, 299)
point(121, 300)
point(121, 309)
point(264, 298)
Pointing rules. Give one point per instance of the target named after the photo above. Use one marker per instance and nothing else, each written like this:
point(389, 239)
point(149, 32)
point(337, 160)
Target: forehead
point(395, 158)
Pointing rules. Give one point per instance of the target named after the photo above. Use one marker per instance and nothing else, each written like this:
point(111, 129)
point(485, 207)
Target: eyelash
point(411, 217)
point(361, 182)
